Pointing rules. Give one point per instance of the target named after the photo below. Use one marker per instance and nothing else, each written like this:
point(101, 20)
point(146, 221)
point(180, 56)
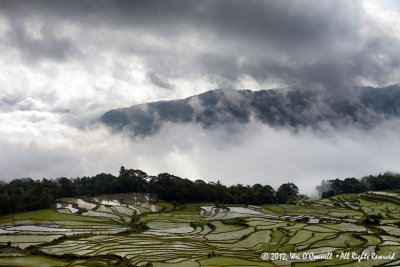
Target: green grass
point(191, 208)
point(275, 209)
point(276, 236)
point(32, 261)
point(27, 238)
point(314, 210)
point(321, 229)
point(165, 224)
point(343, 240)
point(185, 263)
point(346, 227)
point(225, 261)
point(49, 215)
point(391, 230)
point(222, 227)
point(166, 205)
point(300, 236)
point(273, 226)
point(316, 237)
point(232, 235)
point(255, 239)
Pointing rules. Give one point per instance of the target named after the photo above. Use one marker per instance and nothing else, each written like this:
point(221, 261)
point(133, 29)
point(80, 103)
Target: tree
point(373, 219)
point(286, 192)
point(135, 218)
point(135, 225)
point(122, 170)
point(175, 204)
point(4, 204)
point(324, 187)
point(328, 194)
point(67, 187)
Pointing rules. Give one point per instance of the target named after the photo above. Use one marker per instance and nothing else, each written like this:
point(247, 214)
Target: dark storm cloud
point(301, 43)
point(48, 46)
point(159, 81)
point(65, 62)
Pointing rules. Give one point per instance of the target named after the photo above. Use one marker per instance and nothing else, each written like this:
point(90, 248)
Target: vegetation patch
point(32, 261)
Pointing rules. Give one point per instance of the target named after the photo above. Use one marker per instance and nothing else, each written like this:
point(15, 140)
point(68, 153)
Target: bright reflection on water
point(244, 210)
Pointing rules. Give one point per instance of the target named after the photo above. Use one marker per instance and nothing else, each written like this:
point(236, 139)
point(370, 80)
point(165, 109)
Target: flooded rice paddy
point(202, 234)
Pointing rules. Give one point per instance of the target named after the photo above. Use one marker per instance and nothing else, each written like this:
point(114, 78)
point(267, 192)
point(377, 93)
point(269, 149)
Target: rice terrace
point(133, 229)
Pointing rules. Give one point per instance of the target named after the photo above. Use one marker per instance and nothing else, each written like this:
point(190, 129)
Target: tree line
point(386, 181)
point(27, 194)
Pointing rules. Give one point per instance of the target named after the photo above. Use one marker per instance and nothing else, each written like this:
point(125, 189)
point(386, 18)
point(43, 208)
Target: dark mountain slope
point(279, 108)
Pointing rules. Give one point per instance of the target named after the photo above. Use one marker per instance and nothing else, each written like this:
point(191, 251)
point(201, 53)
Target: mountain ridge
point(275, 107)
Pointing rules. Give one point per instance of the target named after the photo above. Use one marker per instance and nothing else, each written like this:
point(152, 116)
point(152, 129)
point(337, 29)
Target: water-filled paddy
point(242, 210)
point(201, 234)
point(67, 206)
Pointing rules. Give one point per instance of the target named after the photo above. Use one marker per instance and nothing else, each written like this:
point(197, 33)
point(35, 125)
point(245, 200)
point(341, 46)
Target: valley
point(103, 230)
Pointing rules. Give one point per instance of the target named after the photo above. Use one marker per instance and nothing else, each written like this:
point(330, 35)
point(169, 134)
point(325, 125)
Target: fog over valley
point(241, 153)
point(238, 91)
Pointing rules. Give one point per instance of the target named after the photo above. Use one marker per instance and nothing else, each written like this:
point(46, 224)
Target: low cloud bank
point(64, 63)
point(42, 145)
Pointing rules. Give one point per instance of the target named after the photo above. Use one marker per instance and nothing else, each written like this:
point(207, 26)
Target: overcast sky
point(63, 63)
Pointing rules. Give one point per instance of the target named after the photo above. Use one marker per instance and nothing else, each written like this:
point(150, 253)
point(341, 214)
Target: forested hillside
point(386, 181)
point(27, 194)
